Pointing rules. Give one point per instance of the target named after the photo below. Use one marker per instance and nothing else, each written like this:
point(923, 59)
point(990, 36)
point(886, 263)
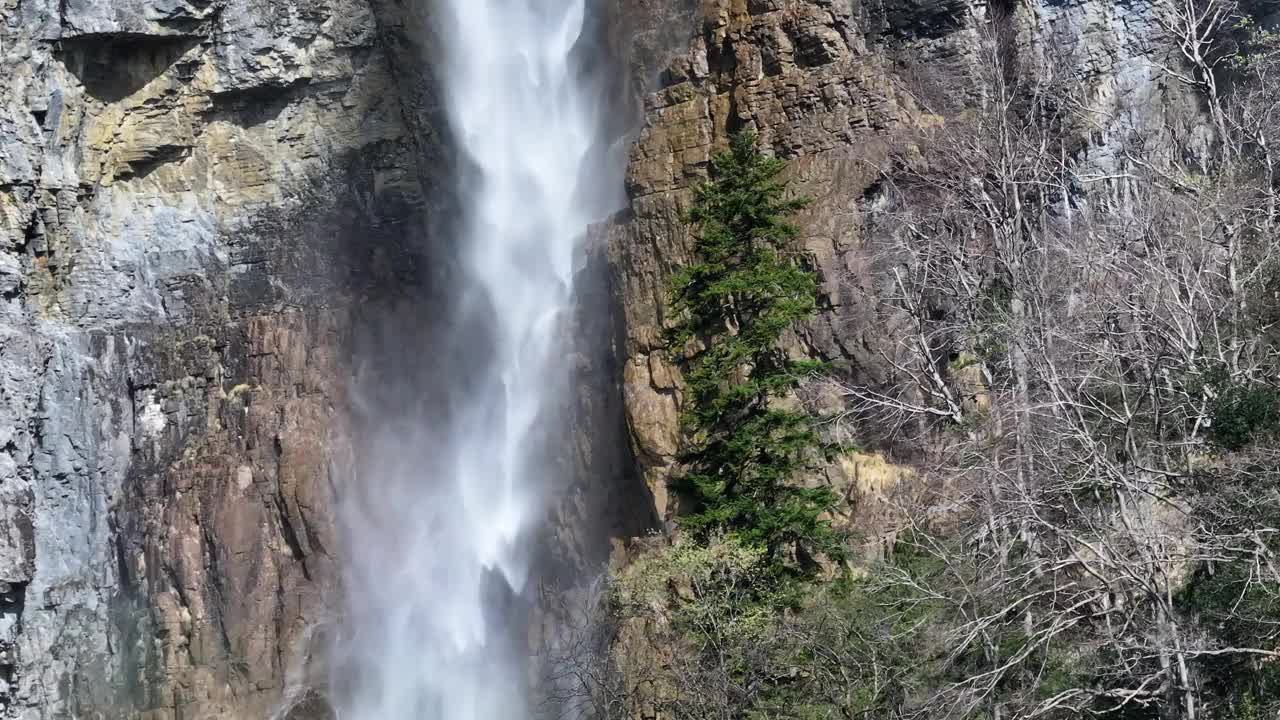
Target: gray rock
point(181, 251)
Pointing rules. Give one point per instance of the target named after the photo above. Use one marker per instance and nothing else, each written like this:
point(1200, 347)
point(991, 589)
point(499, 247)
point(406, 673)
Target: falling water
point(458, 452)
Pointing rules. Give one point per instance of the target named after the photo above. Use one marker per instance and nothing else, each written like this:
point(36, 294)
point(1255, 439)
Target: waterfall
point(460, 444)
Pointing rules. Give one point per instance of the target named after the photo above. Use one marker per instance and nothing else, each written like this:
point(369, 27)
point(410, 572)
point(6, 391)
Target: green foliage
point(1235, 599)
point(853, 647)
point(989, 331)
point(1238, 597)
point(1237, 602)
point(720, 591)
point(1251, 45)
point(744, 449)
point(1238, 605)
point(1240, 410)
point(714, 609)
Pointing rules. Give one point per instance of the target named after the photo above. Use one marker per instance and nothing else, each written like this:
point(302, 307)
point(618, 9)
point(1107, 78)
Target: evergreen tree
point(748, 285)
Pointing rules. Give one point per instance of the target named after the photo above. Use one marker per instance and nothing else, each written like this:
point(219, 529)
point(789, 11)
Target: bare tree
point(1086, 366)
point(1077, 344)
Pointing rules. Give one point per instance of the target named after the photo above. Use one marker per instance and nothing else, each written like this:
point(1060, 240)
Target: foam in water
point(450, 482)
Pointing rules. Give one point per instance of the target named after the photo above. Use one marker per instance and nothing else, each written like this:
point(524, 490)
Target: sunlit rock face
point(209, 210)
point(839, 89)
point(208, 213)
point(193, 195)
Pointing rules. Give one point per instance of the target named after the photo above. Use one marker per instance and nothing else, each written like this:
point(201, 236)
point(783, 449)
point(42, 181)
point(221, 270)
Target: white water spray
point(451, 481)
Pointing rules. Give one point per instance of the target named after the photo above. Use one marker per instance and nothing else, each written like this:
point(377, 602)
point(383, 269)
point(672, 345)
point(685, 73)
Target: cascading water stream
point(451, 481)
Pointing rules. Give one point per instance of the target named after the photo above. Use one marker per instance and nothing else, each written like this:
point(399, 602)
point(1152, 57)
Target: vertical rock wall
point(194, 195)
point(200, 198)
point(834, 86)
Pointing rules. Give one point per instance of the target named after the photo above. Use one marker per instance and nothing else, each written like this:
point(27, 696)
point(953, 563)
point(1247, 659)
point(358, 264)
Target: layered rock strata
point(193, 197)
point(841, 90)
point(202, 200)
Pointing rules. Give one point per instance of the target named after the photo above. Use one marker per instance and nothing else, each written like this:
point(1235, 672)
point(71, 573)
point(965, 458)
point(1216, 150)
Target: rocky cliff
point(200, 199)
point(840, 89)
point(1007, 146)
point(193, 198)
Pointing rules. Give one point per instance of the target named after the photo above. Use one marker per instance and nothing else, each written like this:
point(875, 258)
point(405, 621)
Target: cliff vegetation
point(1085, 387)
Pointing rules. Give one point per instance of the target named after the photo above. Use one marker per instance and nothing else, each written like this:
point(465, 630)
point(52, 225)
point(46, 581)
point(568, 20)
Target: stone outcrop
point(194, 195)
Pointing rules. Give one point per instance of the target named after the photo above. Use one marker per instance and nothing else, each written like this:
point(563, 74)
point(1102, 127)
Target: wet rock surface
point(193, 198)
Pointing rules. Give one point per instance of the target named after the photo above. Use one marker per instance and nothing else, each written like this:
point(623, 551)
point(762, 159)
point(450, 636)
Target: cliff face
point(838, 88)
point(198, 197)
point(193, 195)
